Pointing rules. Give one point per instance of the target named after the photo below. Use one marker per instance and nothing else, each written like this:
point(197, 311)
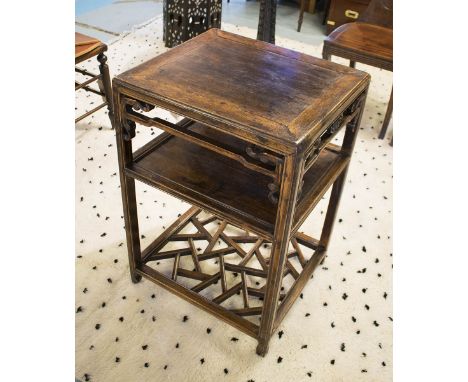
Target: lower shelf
point(223, 269)
point(223, 185)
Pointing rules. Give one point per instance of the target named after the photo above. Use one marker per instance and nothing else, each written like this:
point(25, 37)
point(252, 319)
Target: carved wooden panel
point(267, 21)
point(185, 19)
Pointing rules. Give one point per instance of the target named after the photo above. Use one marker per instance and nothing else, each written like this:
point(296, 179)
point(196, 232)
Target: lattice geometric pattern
point(223, 263)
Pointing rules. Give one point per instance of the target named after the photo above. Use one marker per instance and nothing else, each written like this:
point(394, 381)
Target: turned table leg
point(287, 200)
point(105, 85)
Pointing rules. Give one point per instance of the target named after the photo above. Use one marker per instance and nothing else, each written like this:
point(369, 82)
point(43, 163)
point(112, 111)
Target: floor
point(106, 19)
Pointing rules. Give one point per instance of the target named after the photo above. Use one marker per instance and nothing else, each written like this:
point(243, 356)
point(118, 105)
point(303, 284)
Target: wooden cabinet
point(344, 11)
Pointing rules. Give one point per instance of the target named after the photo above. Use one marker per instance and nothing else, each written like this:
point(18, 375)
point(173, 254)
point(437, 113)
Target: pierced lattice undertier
point(224, 268)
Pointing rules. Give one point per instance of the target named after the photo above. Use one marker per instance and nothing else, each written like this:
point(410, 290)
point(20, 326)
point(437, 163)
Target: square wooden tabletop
point(258, 87)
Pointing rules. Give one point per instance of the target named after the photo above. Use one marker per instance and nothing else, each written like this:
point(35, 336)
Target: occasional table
point(252, 154)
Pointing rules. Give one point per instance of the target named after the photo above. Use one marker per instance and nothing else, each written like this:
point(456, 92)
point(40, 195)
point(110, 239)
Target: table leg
point(301, 16)
point(106, 84)
point(388, 115)
point(127, 185)
point(287, 200)
point(332, 209)
point(349, 141)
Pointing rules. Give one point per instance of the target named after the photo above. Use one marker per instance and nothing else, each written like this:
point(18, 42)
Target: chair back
point(379, 12)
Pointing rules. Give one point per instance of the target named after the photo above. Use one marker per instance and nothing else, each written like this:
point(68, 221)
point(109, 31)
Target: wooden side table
point(253, 152)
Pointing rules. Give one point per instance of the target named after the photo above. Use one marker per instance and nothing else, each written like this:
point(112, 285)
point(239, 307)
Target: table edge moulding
point(298, 133)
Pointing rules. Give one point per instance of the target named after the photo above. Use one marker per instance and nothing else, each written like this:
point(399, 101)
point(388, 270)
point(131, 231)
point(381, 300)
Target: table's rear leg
point(349, 141)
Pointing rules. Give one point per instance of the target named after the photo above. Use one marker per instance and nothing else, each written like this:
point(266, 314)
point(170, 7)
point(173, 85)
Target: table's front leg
point(127, 185)
point(290, 178)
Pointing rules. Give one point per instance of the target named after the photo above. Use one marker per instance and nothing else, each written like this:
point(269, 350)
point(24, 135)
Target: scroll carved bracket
point(261, 155)
point(129, 129)
point(273, 195)
point(130, 126)
point(137, 105)
point(358, 104)
point(332, 129)
point(264, 157)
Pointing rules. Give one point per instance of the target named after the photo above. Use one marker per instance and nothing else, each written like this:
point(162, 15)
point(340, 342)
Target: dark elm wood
point(349, 141)
point(254, 151)
point(369, 42)
point(87, 47)
point(251, 102)
point(223, 183)
point(162, 240)
point(127, 185)
point(288, 193)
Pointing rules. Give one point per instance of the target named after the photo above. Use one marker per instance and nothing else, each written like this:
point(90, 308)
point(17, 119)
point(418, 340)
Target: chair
point(85, 48)
point(368, 41)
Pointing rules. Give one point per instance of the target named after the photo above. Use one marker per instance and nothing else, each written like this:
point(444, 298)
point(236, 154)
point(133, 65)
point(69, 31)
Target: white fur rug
point(341, 330)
